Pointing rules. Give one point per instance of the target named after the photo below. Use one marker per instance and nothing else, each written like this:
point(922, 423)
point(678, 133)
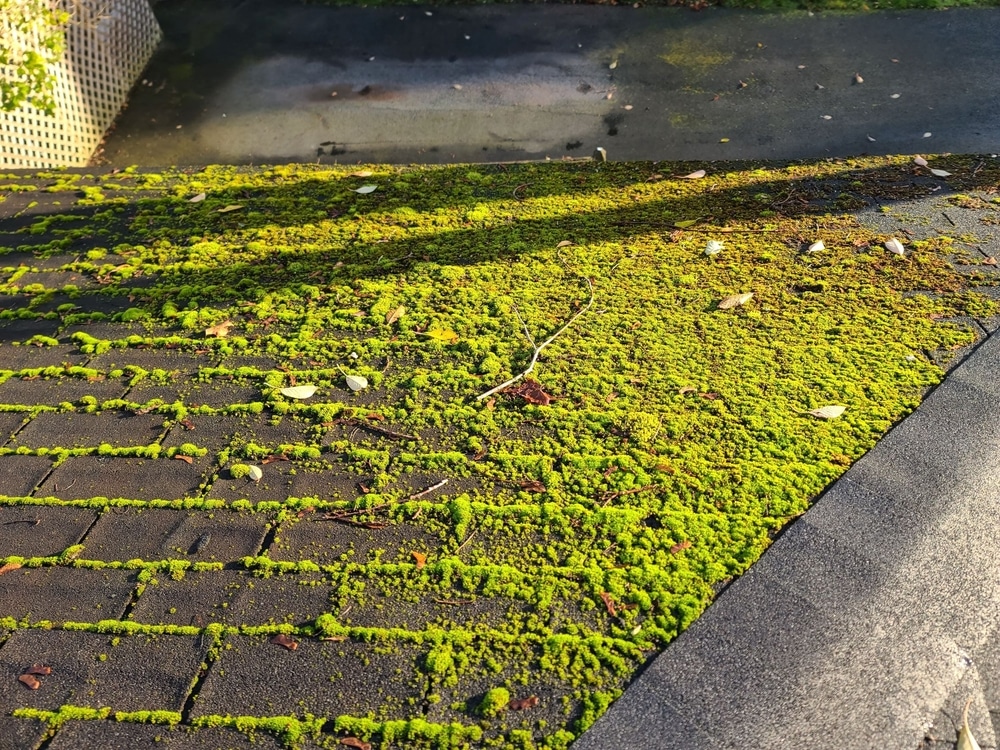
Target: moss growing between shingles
point(676, 442)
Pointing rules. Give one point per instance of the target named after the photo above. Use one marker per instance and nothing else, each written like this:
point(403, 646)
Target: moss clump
point(494, 702)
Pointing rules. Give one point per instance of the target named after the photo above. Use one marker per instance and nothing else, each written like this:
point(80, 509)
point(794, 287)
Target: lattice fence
point(108, 43)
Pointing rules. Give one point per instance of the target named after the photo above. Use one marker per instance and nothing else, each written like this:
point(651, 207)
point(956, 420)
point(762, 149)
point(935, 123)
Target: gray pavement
point(262, 81)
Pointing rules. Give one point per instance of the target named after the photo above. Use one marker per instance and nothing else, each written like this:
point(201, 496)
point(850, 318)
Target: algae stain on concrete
point(694, 57)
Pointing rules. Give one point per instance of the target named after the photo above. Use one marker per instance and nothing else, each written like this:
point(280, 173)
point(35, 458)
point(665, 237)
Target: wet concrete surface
point(263, 81)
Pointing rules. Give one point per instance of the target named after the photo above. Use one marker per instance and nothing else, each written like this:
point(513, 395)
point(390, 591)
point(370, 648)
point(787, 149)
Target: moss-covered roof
point(541, 542)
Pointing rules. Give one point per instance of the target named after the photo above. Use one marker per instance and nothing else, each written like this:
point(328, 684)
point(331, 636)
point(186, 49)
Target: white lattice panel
point(108, 43)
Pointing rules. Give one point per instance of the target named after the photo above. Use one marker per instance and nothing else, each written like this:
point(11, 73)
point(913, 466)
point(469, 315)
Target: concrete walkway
point(262, 81)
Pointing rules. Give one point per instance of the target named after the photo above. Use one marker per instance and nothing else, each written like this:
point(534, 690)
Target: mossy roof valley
point(453, 571)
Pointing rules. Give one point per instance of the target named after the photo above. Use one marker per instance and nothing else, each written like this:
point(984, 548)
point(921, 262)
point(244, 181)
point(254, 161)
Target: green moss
point(494, 702)
point(675, 443)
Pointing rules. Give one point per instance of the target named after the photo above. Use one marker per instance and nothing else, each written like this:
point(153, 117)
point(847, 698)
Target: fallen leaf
point(858, 78)
point(871, 139)
point(29, 682)
point(694, 175)
point(285, 641)
point(816, 246)
point(443, 335)
point(927, 135)
point(227, 209)
point(893, 96)
point(920, 161)
point(256, 473)
point(680, 547)
point(362, 173)
point(894, 246)
point(991, 261)
point(820, 86)
point(9, 567)
point(520, 704)
point(299, 391)
point(613, 65)
point(827, 117)
point(685, 224)
point(735, 300)
point(687, 389)
point(39, 669)
point(197, 198)
point(356, 382)
point(940, 173)
point(966, 740)
point(711, 396)
point(532, 485)
point(827, 412)
point(565, 243)
point(393, 315)
point(421, 559)
point(185, 459)
point(609, 603)
point(532, 392)
point(356, 743)
point(220, 330)
point(723, 140)
point(714, 247)
point(365, 189)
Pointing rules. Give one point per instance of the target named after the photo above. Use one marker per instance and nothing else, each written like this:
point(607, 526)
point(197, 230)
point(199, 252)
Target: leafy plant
point(31, 40)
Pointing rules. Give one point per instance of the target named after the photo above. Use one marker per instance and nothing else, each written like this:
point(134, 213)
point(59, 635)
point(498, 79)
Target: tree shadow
point(291, 231)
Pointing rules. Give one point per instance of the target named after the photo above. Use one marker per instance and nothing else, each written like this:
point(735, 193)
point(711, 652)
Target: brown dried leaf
point(39, 669)
point(420, 557)
point(532, 392)
point(393, 315)
point(185, 459)
point(565, 243)
point(9, 567)
point(687, 389)
point(285, 641)
point(735, 300)
point(220, 330)
point(609, 603)
point(29, 682)
point(711, 396)
point(520, 704)
point(532, 485)
point(694, 175)
point(356, 743)
point(362, 173)
point(991, 261)
point(680, 547)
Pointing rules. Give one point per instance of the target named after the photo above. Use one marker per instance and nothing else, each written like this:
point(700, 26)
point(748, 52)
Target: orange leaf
point(680, 547)
point(220, 330)
point(520, 704)
point(9, 567)
point(185, 459)
point(30, 682)
point(532, 392)
point(38, 669)
point(609, 603)
point(421, 559)
point(532, 485)
point(356, 743)
point(285, 641)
